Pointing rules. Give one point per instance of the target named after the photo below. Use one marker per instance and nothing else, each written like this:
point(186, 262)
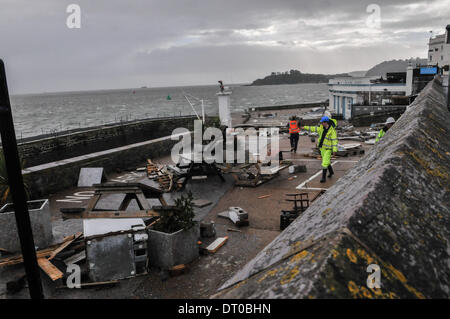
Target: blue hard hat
point(324, 119)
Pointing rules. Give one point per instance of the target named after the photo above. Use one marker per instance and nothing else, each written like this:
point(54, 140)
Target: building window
point(442, 57)
point(431, 57)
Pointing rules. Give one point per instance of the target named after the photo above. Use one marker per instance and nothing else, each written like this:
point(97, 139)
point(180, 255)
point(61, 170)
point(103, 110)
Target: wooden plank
point(152, 223)
point(50, 269)
point(64, 245)
point(113, 214)
point(93, 202)
point(126, 201)
point(18, 259)
point(75, 258)
point(142, 202)
point(121, 214)
point(215, 245)
point(177, 270)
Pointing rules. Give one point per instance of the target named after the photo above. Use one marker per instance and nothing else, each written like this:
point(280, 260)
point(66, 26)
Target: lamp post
point(14, 171)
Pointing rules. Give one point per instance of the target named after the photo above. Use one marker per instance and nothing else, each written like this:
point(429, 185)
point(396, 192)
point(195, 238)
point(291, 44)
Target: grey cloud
point(122, 43)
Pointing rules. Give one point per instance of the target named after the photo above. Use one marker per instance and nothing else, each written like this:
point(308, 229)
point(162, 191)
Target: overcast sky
point(133, 43)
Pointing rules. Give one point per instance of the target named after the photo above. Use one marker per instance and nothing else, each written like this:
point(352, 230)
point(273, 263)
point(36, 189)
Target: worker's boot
point(324, 175)
point(330, 170)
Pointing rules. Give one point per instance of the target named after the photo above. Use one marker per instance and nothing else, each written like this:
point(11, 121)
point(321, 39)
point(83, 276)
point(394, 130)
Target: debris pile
point(366, 135)
point(301, 203)
point(236, 215)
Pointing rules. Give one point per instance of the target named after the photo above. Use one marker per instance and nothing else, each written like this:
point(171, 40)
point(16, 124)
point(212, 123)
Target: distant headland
point(294, 77)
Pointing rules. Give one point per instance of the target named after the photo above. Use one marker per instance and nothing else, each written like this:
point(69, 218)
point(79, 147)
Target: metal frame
point(14, 170)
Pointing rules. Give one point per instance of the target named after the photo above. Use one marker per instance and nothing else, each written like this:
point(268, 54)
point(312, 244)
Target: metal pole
point(448, 90)
point(203, 112)
point(19, 198)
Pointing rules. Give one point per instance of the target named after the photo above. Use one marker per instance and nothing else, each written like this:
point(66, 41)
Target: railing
point(27, 135)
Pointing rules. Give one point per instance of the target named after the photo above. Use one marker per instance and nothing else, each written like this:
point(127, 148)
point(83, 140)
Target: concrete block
point(242, 214)
point(41, 225)
point(297, 169)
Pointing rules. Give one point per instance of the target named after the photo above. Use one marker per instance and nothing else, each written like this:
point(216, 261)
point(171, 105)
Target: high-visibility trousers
point(326, 157)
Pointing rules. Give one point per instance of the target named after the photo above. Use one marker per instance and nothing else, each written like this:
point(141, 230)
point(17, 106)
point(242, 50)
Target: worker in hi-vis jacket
point(389, 122)
point(327, 144)
point(294, 130)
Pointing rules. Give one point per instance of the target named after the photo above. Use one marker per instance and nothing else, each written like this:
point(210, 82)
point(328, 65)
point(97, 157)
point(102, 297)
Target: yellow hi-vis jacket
point(380, 135)
point(330, 141)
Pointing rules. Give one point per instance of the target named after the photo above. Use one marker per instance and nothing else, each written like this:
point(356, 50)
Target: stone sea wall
point(70, 145)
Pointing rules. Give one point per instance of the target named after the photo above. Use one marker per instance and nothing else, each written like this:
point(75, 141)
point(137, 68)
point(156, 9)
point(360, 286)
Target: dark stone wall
point(367, 119)
point(391, 209)
point(53, 177)
point(103, 138)
point(288, 106)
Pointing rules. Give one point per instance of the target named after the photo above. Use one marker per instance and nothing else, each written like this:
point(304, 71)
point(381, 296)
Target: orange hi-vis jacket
point(293, 127)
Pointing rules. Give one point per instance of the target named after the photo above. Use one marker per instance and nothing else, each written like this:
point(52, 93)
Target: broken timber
point(50, 269)
point(44, 253)
point(215, 245)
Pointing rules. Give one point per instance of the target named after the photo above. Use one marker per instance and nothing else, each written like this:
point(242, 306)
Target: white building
point(439, 49)
point(349, 91)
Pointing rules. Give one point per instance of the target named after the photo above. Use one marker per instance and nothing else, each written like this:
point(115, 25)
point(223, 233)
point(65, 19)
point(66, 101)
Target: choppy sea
point(36, 114)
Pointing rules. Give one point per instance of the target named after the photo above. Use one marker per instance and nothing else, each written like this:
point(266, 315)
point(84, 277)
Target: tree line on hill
point(294, 77)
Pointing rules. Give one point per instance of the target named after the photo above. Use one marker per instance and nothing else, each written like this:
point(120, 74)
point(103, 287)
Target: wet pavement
point(209, 272)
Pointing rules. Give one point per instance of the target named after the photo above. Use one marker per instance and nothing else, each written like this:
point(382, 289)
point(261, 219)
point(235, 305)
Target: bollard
point(15, 180)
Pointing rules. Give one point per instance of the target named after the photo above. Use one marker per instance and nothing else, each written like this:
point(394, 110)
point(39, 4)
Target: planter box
point(41, 225)
point(167, 250)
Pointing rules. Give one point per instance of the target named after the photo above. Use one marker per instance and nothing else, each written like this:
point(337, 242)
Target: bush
point(5, 193)
point(180, 218)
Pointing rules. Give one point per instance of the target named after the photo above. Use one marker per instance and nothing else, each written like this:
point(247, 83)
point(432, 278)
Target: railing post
point(15, 180)
point(448, 90)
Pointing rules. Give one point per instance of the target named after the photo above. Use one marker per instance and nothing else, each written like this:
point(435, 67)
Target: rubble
point(237, 215)
point(301, 203)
